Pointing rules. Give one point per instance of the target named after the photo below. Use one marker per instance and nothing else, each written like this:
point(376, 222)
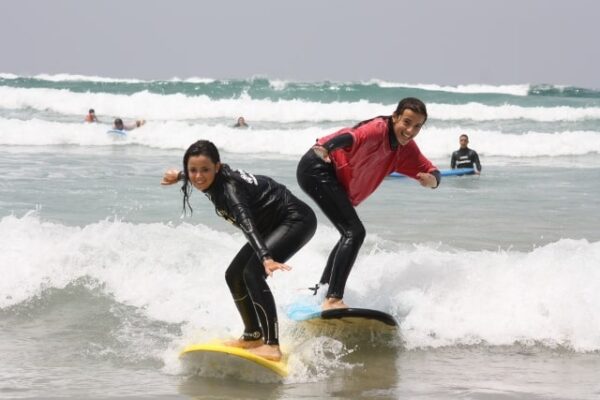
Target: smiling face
point(407, 125)
point(201, 171)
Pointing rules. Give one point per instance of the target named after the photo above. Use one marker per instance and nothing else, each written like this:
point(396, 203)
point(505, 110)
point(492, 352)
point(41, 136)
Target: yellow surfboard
point(216, 355)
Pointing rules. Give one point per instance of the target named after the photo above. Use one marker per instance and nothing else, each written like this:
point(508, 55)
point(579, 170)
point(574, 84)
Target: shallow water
point(494, 279)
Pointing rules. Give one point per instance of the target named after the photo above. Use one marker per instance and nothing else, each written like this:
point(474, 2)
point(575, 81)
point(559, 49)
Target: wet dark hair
point(408, 103)
point(118, 121)
point(91, 110)
point(200, 148)
point(413, 104)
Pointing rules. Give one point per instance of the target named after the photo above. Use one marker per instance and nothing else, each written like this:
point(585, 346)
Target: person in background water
point(241, 123)
point(119, 125)
point(91, 116)
point(276, 224)
point(344, 168)
point(465, 157)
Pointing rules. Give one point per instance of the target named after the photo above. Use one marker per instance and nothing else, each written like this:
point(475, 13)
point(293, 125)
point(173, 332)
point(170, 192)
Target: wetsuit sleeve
point(343, 140)
point(238, 206)
point(416, 162)
point(438, 177)
point(453, 160)
point(476, 160)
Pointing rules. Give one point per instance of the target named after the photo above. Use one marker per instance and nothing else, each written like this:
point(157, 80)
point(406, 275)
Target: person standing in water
point(344, 168)
point(275, 223)
point(465, 157)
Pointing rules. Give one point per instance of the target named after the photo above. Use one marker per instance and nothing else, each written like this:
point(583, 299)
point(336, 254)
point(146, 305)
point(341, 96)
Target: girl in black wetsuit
point(274, 221)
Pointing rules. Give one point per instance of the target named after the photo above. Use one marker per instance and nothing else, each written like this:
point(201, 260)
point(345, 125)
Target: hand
point(426, 179)
point(170, 177)
point(272, 266)
point(322, 153)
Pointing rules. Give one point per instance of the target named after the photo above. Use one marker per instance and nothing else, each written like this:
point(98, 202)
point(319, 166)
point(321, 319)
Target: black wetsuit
point(318, 179)
point(276, 224)
point(465, 158)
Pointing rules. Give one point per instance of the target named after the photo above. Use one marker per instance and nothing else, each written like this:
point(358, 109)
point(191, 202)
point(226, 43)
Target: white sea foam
point(179, 106)
point(436, 143)
point(81, 78)
point(8, 76)
point(280, 84)
point(515, 90)
point(549, 295)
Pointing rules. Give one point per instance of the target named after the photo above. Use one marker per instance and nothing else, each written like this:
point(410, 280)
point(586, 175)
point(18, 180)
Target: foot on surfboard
point(269, 352)
point(244, 344)
point(333, 303)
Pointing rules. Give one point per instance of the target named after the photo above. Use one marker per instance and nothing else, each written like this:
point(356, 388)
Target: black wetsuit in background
point(465, 158)
point(276, 224)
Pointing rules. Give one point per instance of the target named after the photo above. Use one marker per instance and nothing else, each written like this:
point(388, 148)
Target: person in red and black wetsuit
point(344, 168)
point(275, 223)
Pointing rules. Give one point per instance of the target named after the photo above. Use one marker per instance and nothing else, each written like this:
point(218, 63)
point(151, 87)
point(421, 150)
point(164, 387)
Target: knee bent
point(356, 233)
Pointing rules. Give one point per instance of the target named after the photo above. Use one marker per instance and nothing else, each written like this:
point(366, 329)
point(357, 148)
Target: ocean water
point(494, 279)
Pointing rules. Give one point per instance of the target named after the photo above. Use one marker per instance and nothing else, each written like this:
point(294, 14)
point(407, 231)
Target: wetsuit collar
point(216, 183)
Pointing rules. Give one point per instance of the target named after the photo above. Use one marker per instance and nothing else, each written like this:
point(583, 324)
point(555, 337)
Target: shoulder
point(372, 129)
point(376, 124)
point(239, 177)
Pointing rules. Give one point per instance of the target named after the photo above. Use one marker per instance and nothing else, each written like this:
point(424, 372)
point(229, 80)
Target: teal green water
point(261, 88)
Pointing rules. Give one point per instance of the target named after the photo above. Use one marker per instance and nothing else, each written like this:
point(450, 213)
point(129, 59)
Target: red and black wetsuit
point(276, 224)
point(361, 158)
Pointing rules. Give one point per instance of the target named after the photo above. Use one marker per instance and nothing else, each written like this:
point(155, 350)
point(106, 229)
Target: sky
point(448, 42)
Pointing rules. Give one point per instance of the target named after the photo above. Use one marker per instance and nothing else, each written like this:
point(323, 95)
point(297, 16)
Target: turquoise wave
point(325, 92)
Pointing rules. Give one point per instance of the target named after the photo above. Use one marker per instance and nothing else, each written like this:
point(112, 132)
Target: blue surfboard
point(443, 172)
point(117, 133)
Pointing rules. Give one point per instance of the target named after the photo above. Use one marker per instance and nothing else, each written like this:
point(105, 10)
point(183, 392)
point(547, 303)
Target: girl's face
point(202, 171)
point(407, 125)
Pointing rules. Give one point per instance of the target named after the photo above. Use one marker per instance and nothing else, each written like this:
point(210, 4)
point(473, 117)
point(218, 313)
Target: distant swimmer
point(465, 157)
point(91, 116)
point(241, 123)
point(120, 126)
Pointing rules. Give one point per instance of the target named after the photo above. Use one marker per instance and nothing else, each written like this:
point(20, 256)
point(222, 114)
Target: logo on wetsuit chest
point(248, 177)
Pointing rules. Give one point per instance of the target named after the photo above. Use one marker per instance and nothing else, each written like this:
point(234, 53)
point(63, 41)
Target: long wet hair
point(200, 148)
point(408, 103)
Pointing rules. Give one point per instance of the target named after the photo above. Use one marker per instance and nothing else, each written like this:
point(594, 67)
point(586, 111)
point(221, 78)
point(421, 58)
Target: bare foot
point(333, 303)
point(244, 344)
point(268, 351)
